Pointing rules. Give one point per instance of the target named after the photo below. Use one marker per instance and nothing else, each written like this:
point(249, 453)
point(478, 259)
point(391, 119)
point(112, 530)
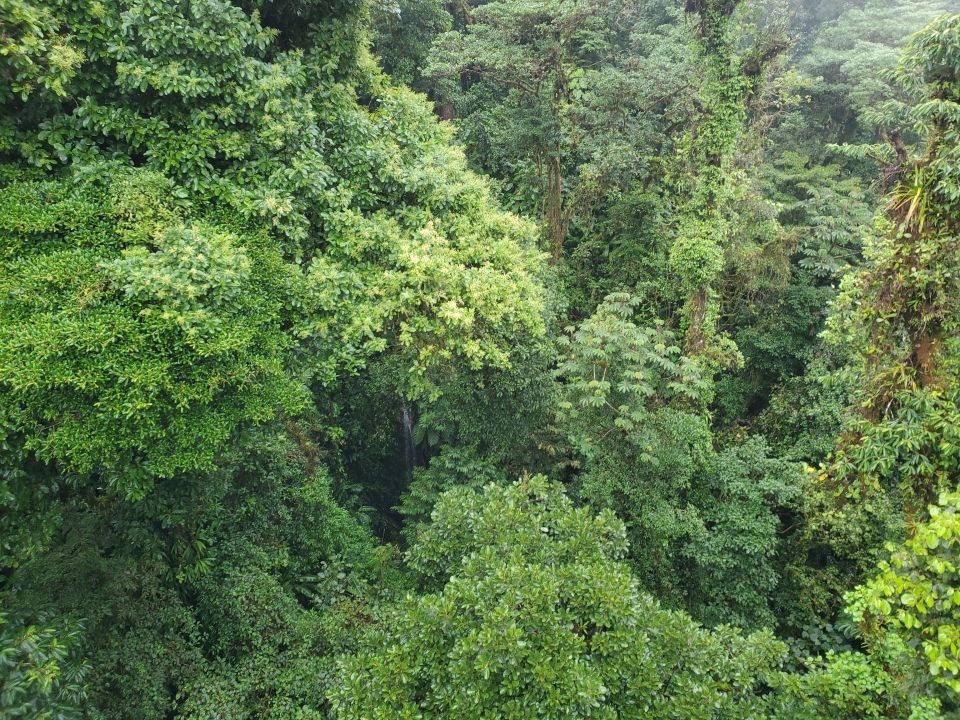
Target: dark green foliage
point(271, 355)
point(212, 587)
point(403, 31)
point(552, 99)
point(703, 523)
point(139, 638)
point(41, 675)
point(805, 413)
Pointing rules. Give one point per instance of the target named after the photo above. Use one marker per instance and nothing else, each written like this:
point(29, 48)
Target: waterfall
point(409, 449)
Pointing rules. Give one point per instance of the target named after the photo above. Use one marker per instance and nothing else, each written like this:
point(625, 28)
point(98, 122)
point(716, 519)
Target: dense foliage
point(482, 359)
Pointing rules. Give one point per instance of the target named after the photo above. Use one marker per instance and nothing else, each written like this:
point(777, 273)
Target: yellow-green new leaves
point(33, 53)
point(441, 277)
point(916, 593)
point(192, 272)
point(142, 364)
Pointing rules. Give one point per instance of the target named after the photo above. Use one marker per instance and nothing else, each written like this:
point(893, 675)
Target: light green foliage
point(914, 593)
point(34, 55)
point(404, 250)
point(697, 252)
point(397, 242)
point(534, 616)
point(852, 685)
point(914, 451)
point(455, 286)
point(137, 365)
point(617, 373)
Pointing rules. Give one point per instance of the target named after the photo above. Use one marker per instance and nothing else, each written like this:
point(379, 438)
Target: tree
point(270, 351)
point(900, 311)
point(703, 523)
point(403, 33)
point(852, 684)
point(912, 596)
point(894, 447)
point(206, 235)
point(41, 675)
point(731, 79)
point(141, 363)
point(532, 613)
point(540, 88)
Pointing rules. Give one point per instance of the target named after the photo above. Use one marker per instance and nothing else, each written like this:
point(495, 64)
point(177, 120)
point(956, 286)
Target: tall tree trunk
point(721, 114)
point(556, 216)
